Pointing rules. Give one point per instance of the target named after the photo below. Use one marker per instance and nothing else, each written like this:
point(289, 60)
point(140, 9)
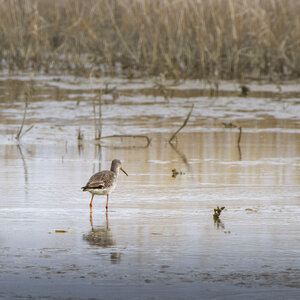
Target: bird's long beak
point(123, 171)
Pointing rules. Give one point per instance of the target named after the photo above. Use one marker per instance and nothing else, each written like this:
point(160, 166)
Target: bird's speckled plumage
point(104, 182)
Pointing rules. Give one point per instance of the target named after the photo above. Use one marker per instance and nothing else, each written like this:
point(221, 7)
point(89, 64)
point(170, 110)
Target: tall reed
point(177, 38)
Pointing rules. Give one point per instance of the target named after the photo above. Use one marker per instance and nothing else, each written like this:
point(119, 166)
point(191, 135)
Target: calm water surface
point(159, 239)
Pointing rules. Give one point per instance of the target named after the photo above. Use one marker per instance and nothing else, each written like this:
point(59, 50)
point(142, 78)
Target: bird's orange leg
point(91, 203)
point(91, 220)
point(106, 203)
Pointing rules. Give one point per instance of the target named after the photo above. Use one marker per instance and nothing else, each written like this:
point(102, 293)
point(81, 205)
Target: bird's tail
point(84, 188)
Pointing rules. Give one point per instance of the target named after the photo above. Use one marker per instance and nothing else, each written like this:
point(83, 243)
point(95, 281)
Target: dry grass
point(178, 38)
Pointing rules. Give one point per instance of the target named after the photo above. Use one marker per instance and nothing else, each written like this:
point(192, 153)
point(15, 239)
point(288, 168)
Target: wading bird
point(104, 182)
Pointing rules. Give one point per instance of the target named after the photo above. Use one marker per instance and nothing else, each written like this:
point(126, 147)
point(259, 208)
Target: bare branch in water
point(240, 135)
point(231, 125)
point(183, 125)
point(18, 135)
point(28, 96)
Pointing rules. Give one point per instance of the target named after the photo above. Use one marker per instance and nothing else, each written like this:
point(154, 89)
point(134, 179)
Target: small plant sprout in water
point(216, 216)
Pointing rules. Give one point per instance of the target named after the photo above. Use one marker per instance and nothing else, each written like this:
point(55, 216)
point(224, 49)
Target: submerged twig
point(148, 140)
point(183, 125)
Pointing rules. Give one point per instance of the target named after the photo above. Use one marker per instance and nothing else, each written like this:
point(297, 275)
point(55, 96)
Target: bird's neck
point(115, 169)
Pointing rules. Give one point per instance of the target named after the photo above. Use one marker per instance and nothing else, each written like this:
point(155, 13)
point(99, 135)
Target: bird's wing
point(100, 180)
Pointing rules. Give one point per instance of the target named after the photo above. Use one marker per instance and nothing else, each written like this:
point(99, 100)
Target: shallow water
point(158, 239)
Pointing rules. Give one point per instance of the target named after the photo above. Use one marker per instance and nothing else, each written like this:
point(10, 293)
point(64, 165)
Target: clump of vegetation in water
point(244, 91)
point(216, 216)
point(217, 212)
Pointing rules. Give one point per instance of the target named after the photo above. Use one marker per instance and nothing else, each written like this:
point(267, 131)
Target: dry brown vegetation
point(177, 38)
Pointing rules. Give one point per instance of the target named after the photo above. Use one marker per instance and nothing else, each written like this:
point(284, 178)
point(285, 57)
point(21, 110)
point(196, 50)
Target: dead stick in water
point(184, 124)
point(19, 133)
point(240, 135)
point(238, 143)
point(231, 125)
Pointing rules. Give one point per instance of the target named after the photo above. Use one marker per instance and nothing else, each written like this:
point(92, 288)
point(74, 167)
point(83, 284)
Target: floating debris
point(244, 91)
point(175, 173)
point(60, 231)
point(229, 125)
point(251, 210)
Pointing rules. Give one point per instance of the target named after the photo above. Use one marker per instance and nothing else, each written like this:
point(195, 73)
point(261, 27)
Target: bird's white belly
point(104, 191)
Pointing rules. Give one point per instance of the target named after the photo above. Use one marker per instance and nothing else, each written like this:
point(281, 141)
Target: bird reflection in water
point(101, 236)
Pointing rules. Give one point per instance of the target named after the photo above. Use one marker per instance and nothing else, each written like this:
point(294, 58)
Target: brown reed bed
point(210, 39)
